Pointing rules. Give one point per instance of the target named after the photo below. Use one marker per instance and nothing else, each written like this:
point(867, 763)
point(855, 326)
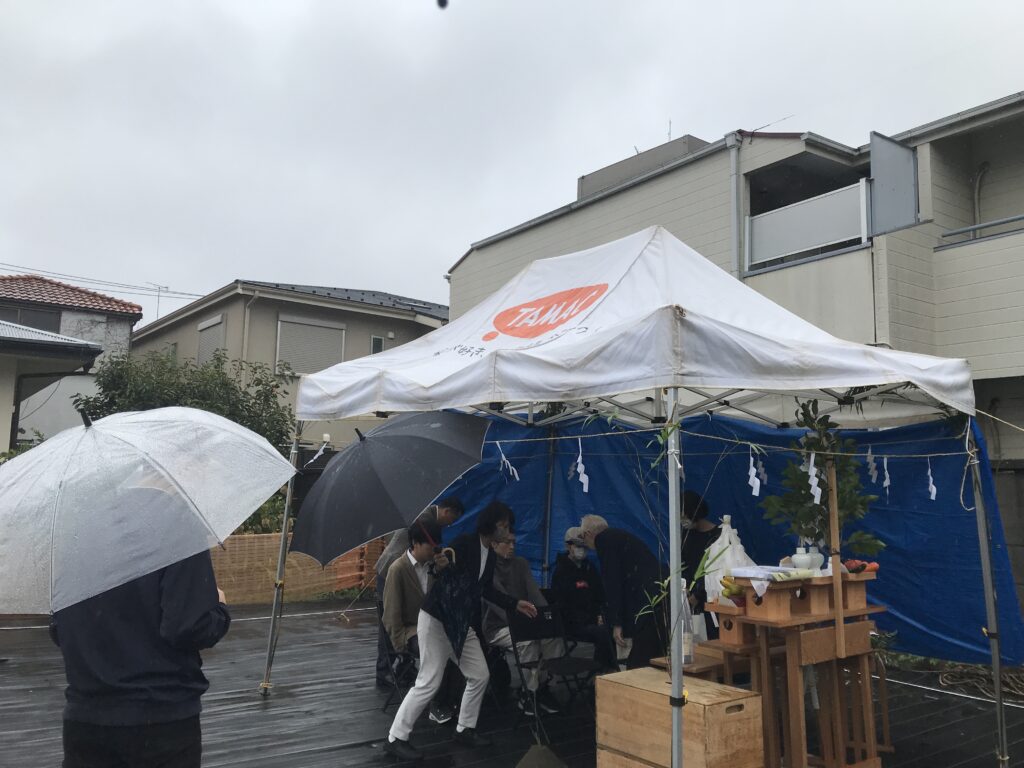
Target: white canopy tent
point(649, 327)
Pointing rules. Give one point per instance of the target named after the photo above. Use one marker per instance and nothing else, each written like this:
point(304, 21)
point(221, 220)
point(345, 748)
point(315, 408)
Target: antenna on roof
point(670, 130)
point(159, 288)
point(776, 122)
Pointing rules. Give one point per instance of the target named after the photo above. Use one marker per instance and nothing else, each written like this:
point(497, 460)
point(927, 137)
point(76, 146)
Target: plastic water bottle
point(686, 626)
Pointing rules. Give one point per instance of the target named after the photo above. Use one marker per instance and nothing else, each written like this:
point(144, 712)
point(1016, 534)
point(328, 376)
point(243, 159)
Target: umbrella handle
point(449, 553)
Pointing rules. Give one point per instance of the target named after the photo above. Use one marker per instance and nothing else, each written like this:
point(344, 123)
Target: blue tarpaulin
point(930, 577)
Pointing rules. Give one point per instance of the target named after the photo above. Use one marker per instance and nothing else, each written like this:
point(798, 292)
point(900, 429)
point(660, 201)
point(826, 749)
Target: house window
point(309, 346)
point(211, 338)
point(376, 344)
point(41, 319)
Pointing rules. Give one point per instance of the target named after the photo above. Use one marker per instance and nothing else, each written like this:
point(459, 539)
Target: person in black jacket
point(131, 656)
point(631, 575)
point(698, 534)
point(449, 627)
point(578, 591)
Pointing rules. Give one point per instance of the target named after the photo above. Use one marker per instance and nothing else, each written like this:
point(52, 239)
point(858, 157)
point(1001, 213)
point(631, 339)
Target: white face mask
point(577, 553)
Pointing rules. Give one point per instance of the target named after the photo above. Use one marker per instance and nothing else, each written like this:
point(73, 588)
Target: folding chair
point(401, 665)
point(572, 671)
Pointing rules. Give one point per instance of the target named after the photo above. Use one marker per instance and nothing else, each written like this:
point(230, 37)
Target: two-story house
point(306, 326)
point(64, 315)
point(914, 242)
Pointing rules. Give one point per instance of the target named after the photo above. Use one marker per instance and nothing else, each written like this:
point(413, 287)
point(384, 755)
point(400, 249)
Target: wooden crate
point(721, 724)
point(607, 758)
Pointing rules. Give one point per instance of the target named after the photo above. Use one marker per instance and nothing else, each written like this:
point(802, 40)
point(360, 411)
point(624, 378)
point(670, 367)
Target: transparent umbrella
point(99, 505)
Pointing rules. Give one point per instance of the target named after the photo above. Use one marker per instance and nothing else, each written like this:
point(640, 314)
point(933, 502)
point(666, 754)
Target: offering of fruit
point(730, 588)
point(860, 566)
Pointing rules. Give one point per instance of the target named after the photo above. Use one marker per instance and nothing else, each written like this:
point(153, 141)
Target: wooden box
point(812, 600)
point(855, 593)
point(773, 605)
point(721, 724)
point(734, 632)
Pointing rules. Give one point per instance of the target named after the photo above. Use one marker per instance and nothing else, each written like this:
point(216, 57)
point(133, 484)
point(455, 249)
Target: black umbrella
point(381, 482)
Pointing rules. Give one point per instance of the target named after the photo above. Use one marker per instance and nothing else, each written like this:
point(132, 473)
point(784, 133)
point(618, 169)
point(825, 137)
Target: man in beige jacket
point(407, 582)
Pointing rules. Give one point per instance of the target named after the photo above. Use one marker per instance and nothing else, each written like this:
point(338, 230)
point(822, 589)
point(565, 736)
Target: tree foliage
point(250, 394)
point(796, 509)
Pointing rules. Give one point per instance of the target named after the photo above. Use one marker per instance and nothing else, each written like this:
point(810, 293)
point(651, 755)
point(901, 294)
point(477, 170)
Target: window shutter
point(309, 348)
point(211, 338)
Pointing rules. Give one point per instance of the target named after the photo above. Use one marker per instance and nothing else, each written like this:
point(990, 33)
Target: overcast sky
point(368, 143)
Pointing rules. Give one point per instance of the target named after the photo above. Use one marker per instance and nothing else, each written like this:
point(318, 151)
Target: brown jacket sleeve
point(394, 589)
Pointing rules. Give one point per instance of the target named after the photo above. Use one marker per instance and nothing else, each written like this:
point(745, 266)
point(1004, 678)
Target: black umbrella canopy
point(381, 482)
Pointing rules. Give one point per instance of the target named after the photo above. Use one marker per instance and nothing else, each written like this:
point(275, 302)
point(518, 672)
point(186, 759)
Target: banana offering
point(730, 588)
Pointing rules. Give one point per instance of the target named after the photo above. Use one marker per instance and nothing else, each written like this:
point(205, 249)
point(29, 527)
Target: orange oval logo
point(535, 318)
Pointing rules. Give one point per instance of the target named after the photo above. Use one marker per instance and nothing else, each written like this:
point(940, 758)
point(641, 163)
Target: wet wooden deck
point(324, 709)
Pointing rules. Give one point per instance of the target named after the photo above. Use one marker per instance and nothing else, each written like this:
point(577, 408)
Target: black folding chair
point(401, 670)
point(573, 672)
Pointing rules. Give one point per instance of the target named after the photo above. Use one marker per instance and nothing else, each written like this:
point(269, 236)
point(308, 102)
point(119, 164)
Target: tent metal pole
point(545, 567)
point(991, 603)
point(675, 578)
point(275, 613)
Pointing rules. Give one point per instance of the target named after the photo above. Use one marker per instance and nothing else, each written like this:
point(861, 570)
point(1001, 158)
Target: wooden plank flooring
point(324, 709)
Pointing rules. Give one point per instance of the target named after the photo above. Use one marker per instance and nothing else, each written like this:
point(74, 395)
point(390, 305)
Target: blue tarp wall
point(930, 571)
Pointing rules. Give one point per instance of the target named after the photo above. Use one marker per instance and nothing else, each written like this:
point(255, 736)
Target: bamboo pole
point(837, 576)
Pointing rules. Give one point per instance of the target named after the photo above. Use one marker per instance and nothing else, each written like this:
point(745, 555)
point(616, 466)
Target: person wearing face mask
point(578, 591)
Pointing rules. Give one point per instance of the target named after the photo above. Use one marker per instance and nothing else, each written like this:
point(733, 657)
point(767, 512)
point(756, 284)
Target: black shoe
point(471, 738)
point(403, 750)
point(526, 706)
point(547, 702)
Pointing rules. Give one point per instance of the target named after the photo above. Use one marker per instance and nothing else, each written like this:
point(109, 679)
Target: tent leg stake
point(991, 603)
point(275, 613)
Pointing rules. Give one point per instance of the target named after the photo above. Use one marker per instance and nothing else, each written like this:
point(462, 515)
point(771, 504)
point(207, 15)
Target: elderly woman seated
point(513, 577)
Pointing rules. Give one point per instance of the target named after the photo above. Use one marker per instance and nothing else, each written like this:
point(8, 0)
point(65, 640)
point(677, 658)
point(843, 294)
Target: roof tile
point(43, 290)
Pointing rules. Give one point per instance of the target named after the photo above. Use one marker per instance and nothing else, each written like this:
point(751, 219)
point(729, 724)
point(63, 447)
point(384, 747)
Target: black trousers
point(382, 648)
point(178, 744)
point(600, 635)
point(650, 639)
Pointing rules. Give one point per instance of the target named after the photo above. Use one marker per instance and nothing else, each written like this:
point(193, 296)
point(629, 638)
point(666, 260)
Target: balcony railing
point(810, 226)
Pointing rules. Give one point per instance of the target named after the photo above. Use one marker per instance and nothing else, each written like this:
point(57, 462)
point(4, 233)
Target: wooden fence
point(247, 566)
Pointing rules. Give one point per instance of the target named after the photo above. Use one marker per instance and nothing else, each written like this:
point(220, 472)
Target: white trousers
point(435, 651)
point(529, 650)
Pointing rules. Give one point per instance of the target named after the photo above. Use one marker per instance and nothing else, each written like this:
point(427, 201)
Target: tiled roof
point(43, 290)
point(22, 333)
point(373, 298)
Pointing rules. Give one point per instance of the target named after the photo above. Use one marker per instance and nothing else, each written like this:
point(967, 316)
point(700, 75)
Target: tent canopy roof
point(634, 315)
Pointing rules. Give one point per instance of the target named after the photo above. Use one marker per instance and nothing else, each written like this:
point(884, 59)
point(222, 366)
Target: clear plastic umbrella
point(97, 506)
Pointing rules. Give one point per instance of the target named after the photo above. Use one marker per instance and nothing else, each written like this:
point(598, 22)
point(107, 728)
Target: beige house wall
point(260, 343)
point(693, 202)
point(8, 381)
point(185, 333)
point(808, 290)
point(980, 290)
point(1002, 186)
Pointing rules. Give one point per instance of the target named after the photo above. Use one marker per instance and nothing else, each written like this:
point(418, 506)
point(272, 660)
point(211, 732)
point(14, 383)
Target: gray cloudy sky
point(367, 143)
